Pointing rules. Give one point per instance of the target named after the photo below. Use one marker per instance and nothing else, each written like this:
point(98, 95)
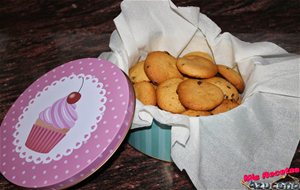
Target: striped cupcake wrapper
point(43, 140)
point(154, 141)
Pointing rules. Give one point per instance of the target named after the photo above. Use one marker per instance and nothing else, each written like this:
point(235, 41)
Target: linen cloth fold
point(216, 151)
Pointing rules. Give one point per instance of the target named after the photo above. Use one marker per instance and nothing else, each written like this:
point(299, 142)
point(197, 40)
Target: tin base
point(154, 141)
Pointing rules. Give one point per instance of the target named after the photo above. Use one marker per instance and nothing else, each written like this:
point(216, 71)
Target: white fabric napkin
point(216, 151)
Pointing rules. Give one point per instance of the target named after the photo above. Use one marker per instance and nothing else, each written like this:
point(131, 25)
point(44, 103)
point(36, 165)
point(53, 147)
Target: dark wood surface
point(36, 36)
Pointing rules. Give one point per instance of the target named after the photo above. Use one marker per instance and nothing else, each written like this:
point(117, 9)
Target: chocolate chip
point(199, 82)
point(225, 97)
point(228, 87)
point(148, 66)
point(232, 95)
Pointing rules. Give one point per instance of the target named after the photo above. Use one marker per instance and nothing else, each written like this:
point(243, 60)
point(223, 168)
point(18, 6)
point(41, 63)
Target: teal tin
point(154, 141)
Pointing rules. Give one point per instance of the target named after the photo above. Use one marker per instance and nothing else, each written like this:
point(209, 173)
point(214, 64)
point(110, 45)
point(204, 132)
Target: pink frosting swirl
point(60, 114)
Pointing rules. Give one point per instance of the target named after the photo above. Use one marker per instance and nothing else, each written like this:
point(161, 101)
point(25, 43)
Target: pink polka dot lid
point(66, 125)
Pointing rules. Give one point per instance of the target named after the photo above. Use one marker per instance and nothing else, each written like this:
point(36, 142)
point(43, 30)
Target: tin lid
point(66, 125)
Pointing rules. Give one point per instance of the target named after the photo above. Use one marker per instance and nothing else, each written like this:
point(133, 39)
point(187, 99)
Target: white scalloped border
point(31, 156)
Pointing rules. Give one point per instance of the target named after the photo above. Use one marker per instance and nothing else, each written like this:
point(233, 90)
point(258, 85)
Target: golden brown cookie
point(167, 98)
point(154, 86)
point(197, 95)
point(239, 100)
point(232, 76)
point(200, 54)
point(229, 91)
point(145, 92)
point(161, 66)
point(195, 113)
point(196, 66)
point(137, 73)
point(226, 105)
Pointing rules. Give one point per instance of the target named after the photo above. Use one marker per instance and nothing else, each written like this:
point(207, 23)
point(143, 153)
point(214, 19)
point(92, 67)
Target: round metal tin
point(154, 141)
point(35, 156)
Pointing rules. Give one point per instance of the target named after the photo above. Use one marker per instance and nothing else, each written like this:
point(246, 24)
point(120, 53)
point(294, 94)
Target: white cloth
point(216, 151)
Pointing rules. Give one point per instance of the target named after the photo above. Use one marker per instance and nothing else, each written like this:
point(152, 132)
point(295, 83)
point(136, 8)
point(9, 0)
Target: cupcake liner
point(42, 139)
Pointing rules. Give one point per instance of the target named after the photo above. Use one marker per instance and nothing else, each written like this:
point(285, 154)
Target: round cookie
point(232, 76)
point(137, 73)
point(145, 92)
point(195, 113)
point(196, 66)
point(239, 100)
point(197, 95)
point(161, 66)
point(229, 91)
point(167, 98)
point(226, 105)
point(200, 54)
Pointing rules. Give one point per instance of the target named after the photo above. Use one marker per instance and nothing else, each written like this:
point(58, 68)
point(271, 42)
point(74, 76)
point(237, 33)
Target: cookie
point(232, 76)
point(229, 91)
point(137, 73)
point(195, 113)
point(226, 105)
point(161, 66)
point(197, 67)
point(200, 54)
point(239, 101)
point(167, 98)
point(145, 92)
point(197, 95)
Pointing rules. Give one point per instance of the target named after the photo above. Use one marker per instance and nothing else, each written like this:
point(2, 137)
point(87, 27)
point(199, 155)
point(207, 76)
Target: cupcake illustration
point(53, 124)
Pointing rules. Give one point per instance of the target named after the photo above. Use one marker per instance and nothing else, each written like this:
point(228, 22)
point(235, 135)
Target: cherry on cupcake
point(74, 97)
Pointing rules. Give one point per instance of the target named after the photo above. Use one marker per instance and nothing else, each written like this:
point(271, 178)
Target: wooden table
point(37, 36)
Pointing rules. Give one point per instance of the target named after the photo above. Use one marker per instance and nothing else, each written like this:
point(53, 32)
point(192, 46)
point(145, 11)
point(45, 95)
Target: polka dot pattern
point(104, 140)
point(91, 86)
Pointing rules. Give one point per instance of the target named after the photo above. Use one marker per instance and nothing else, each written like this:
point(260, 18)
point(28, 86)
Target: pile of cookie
point(192, 85)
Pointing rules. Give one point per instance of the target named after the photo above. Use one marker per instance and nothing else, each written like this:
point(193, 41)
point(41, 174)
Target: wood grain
point(36, 36)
